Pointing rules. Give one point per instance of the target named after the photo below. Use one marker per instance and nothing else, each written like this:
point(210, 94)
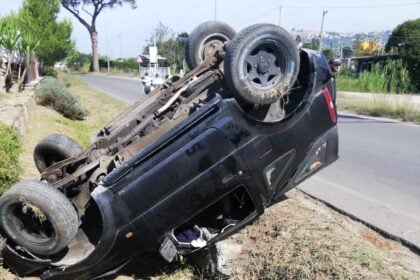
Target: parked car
point(195, 161)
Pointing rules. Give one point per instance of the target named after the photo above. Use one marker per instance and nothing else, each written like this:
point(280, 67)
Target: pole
point(280, 8)
point(215, 9)
point(322, 29)
point(120, 47)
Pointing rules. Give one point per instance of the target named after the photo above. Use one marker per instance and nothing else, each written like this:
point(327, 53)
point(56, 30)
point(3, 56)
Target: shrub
point(49, 71)
point(392, 77)
point(10, 149)
point(52, 93)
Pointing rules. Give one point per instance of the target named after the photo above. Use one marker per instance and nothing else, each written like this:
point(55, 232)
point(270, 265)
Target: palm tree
point(2, 26)
point(29, 42)
point(10, 40)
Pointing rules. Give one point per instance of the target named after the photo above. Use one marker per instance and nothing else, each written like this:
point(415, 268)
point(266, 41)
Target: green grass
point(45, 121)
point(393, 77)
point(10, 150)
point(380, 106)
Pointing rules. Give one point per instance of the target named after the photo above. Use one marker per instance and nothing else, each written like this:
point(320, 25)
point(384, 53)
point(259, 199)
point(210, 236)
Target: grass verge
point(379, 106)
point(44, 121)
point(10, 150)
point(303, 239)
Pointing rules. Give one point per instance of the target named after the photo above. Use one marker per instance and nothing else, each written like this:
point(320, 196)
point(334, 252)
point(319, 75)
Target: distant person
point(334, 64)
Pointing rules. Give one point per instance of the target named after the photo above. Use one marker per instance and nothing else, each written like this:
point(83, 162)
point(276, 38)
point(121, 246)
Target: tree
point(91, 10)
point(406, 39)
point(314, 44)
point(328, 53)
point(40, 17)
point(10, 40)
point(347, 52)
point(169, 44)
point(78, 61)
point(30, 41)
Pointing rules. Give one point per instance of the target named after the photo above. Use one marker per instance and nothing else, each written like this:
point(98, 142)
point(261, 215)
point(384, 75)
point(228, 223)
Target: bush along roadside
point(392, 77)
point(10, 150)
point(52, 93)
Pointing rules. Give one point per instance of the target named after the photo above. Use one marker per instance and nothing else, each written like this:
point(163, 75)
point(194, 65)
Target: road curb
point(365, 117)
point(411, 246)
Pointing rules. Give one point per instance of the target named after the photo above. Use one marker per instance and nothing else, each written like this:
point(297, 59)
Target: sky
point(123, 31)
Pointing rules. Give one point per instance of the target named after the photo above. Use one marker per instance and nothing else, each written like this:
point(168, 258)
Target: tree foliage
point(328, 53)
point(78, 61)
point(170, 45)
point(406, 39)
point(40, 17)
point(87, 12)
point(347, 52)
point(313, 45)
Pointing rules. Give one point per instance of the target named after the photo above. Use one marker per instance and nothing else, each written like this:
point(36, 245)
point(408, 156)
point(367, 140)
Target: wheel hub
point(264, 65)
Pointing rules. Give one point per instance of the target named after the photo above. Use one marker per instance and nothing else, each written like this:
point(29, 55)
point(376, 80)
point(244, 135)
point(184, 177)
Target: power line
point(328, 7)
point(353, 7)
point(260, 16)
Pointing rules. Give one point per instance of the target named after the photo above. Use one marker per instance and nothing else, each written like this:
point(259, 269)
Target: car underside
point(192, 163)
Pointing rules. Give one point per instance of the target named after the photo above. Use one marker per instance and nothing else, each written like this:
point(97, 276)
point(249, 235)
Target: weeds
point(30, 208)
point(392, 77)
point(10, 150)
point(380, 106)
point(292, 241)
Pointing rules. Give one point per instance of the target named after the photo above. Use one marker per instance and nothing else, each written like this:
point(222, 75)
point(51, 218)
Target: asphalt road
point(126, 89)
point(376, 179)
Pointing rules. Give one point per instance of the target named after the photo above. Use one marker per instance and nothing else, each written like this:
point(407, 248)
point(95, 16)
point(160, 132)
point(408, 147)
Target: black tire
point(204, 38)
point(38, 217)
point(261, 64)
point(53, 149)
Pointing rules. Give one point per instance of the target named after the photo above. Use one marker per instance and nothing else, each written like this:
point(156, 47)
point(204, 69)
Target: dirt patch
point(304, 239)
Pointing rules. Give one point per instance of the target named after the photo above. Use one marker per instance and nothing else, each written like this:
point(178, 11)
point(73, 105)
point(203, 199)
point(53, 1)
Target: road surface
point(376, 179)
point(125, 89)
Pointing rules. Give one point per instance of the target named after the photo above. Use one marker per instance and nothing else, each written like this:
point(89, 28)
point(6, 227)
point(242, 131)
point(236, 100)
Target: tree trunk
point(95, 55)
point(9, 62)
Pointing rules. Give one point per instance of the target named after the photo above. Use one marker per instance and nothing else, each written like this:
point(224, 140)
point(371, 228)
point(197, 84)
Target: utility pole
point(120, 48)
point(280, 8)
point(215, 10)
point(322, 29)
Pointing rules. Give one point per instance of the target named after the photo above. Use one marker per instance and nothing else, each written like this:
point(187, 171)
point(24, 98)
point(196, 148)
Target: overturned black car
point(192, 163)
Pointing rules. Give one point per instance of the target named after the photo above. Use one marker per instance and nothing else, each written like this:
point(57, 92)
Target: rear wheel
point(261, 64)
point(205, 39)
point(38, 217)
point(53, 149)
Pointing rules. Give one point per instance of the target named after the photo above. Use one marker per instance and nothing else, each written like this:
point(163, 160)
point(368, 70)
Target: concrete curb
point(413, 247)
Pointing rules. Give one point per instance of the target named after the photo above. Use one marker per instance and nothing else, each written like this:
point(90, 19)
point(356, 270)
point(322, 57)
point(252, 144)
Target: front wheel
point(38, 217)
point(261, 64)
